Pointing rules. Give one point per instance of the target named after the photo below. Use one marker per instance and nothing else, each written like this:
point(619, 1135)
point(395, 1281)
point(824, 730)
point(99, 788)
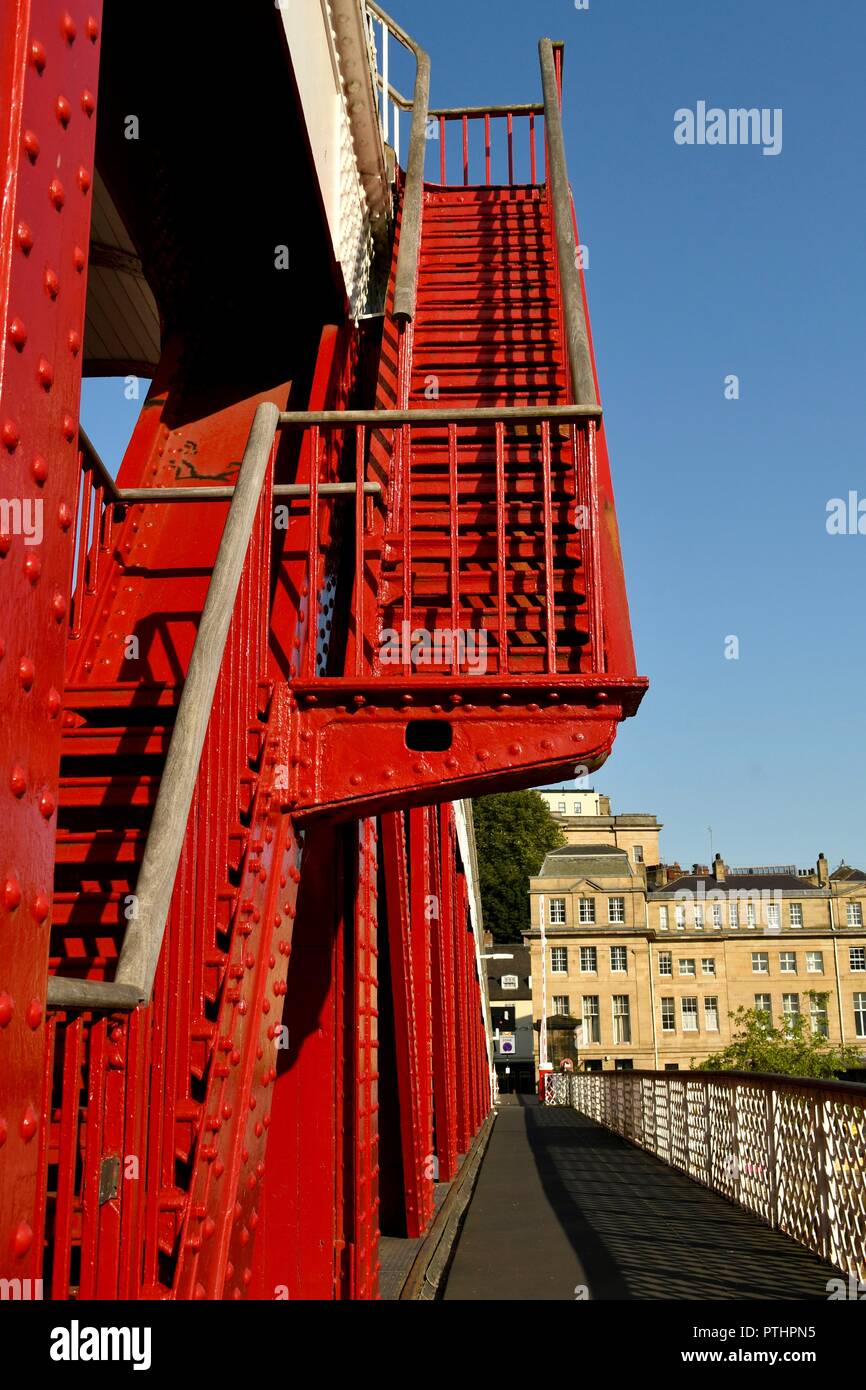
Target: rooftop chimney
point(720, 871)
point(823, 871)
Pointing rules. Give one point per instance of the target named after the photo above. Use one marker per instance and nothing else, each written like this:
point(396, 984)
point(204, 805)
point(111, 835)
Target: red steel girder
point(49, 57)
point(223, 1209)
point(412, 1067)
point(444, 1044)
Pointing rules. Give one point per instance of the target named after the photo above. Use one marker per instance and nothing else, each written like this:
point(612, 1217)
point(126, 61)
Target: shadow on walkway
point(562, 1204)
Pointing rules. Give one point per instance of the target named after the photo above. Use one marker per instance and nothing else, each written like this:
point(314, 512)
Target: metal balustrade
point(791, 1150)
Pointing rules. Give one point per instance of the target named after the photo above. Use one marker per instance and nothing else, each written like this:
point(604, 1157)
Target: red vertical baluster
point(84, 507)
point(93, 552)
point(501, 581)
point(548, 548)
point(487, 148)
point(465, 150)
point(360, 580)
point(532, 147)
point(406, 456)
point(510, 148)
point(443, 177)
point(454, 509)
point(313, 558)
point(599, 662)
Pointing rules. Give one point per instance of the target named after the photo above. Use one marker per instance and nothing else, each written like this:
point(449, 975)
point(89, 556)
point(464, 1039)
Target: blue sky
point(704, 262)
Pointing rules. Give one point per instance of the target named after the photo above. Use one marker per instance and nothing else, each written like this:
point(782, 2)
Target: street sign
point(506, 1043)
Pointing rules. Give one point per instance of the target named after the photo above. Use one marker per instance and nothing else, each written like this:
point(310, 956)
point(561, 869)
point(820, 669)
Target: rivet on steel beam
point(63, 111)
point(482, 754)
point(46, 805)
point(547, 743)
point(79, 260)
point(67, 427)
point(18, 780)
point(218, 1168)
point(58, 605)
point(64, 517)
point(91, 28)
point(38, 56)
point(34, 1014)
point(31, 145)
point(51, 283)
point(26, 672)
point(17, 333)
point(11, 893)
point(39, 468)
point(45, 373)
point(7, 1006)
point(83, 179)
point(54, 702)
point(9, 435)
point(388, 773)
point(67, 27)
point(208, 1228)
point(24, 238)
point(41, 907)
point(32, 568)
point(29, 1124)
point(22, 1239)
point(56, 193)
point(356, 779)
point(4, 1130)
point(451, 764)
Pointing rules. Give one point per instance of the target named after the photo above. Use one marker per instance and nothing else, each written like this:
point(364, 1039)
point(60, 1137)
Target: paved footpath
point(563, 1203)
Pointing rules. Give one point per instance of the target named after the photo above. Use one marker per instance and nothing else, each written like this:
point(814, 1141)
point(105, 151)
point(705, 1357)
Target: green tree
point(793, 1050)
point(513, 832)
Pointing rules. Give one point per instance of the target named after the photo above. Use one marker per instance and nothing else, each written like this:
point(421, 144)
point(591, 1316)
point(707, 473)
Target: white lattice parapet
point(329, 44)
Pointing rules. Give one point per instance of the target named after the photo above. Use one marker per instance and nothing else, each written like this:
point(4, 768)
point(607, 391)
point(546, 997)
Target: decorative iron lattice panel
point(791, 1151)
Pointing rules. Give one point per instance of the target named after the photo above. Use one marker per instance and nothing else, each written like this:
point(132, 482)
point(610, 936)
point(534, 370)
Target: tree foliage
point(793, 1050)
point(513, 832)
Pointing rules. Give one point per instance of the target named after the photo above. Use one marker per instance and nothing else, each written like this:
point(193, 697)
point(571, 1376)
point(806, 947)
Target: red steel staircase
point(265, 719)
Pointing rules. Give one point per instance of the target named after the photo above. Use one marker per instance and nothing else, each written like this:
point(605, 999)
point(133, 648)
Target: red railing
point(488, 121)
point(92, 522)
point(558, 525)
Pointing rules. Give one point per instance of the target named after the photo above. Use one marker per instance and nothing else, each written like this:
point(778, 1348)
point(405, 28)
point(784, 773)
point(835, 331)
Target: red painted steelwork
point(49, 62)
point(313, 1055)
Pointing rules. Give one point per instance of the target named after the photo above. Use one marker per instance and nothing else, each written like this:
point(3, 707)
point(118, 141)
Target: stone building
point(650, 962)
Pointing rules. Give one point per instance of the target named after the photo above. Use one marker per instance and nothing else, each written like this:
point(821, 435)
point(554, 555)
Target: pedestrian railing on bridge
point(789, 1149)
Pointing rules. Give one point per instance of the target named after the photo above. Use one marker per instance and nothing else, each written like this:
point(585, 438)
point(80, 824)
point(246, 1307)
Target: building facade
point(585, 818)
point(649, 963)
point(509, 985)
